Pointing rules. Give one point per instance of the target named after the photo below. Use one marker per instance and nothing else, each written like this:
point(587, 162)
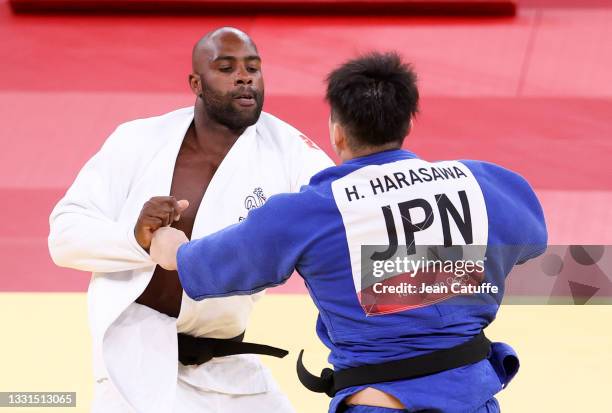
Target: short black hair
point(374, 97)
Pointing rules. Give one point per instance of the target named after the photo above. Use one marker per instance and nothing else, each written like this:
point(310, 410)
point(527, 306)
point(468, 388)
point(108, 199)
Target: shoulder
point(148, 130)
point(512, 204)
point(270, 124)
point(491, 171)
point(301, 157)
point(496, 178)
point(135, 128)
point(282, 133)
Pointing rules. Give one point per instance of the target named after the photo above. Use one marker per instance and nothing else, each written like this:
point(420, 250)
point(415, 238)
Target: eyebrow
point(222, 57)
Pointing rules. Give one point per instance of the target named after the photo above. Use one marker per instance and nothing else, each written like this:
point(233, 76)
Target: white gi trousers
point(190, 398)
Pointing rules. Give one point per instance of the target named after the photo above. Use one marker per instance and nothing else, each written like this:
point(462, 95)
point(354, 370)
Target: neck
point(370, 150)
point(211, 135)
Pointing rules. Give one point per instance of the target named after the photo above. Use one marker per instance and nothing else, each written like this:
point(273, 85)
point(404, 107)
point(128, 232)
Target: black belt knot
point(322, 384)
point(199, 350)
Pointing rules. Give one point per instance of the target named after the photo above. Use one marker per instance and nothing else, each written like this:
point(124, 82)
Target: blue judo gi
point(319, 232)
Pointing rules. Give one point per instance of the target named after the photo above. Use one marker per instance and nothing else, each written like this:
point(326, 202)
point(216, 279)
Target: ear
point(339, 136)
point(195, 84)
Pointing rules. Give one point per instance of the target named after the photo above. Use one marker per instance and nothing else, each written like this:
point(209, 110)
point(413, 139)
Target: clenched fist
point(157, 212)
point(165, 245)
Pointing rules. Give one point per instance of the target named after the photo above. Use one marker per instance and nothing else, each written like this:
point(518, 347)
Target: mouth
point(245, 99)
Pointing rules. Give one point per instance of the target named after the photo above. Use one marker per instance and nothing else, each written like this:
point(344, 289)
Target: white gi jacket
point(92, 229)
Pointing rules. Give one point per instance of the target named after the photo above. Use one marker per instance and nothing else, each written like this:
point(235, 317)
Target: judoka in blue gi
point(388, 356)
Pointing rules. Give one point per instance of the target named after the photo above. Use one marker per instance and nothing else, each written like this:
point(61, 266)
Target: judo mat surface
point(564, 350)
point(532, 92)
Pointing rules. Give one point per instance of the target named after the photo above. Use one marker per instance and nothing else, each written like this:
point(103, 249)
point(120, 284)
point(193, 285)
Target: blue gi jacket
point(318, 232)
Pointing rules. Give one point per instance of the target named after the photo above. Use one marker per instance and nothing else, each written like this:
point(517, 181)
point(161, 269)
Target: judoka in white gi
point(200, 169)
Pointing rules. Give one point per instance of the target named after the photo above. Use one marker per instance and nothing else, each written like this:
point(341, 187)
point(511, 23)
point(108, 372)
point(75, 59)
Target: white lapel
point(156, 180)
point(150, 362)
point(222, 185)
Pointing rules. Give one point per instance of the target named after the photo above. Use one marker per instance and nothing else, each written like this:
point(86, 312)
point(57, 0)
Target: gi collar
point(380, 158)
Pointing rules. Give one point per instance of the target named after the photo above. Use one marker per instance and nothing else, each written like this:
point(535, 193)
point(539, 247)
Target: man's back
point(407, 203)
point(392, 201)
point(431, 204)
point(402, 257)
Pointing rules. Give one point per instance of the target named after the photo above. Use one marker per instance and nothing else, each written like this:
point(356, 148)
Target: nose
point(243, 77)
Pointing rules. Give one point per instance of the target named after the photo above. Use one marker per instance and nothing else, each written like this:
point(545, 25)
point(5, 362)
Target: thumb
point(183, 204)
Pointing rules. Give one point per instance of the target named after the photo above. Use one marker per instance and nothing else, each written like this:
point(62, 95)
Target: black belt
point(330, 382)
point(198, 350)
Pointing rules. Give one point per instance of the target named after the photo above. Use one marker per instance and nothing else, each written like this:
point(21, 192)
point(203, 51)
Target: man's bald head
point(227, 78)
point(207, 48)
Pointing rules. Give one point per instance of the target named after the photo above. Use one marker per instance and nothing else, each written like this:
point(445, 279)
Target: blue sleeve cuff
point(187, 275)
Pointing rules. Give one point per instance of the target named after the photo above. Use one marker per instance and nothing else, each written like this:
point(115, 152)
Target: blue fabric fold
point(505, 362)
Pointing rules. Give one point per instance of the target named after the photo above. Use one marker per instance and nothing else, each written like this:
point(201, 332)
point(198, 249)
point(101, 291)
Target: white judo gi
point(135, 357)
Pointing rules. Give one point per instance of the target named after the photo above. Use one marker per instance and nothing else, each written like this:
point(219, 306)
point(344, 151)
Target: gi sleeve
point(260, 252)
point(309, 159)
point(523, 214)
point(534, 224)
point(84, 233)
point(516, 218)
